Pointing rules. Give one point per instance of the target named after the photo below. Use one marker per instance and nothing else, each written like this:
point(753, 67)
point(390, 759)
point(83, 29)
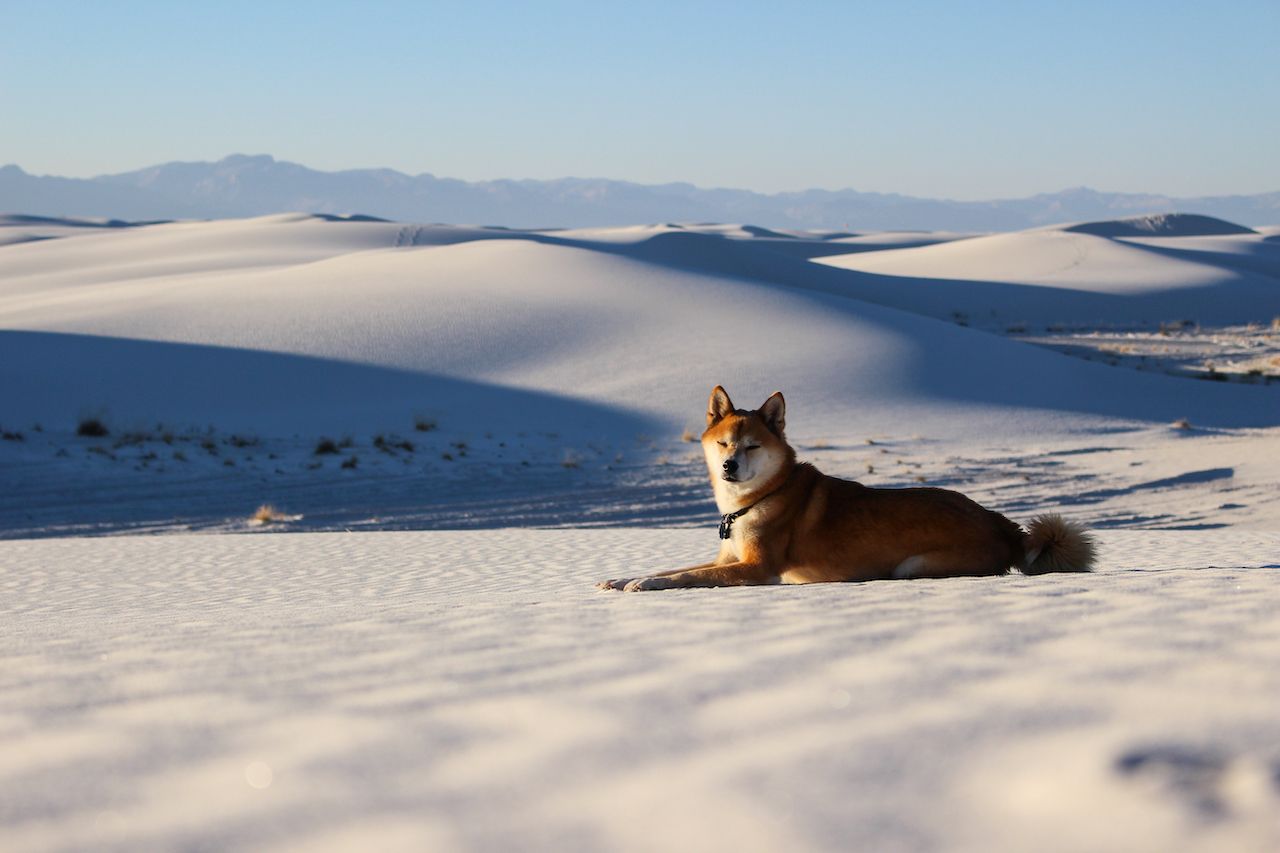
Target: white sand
point(292, 323)
point(1060, 275)
point(561, 368)
point(472, 691)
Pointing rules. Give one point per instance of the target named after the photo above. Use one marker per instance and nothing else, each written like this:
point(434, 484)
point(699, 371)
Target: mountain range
point(242, 186)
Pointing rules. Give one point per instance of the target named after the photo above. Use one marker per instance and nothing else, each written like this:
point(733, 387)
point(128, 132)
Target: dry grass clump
point(392, 444)
point(326, 447)
point(350, 462)
point(1169, 328)
point(132, 439)
point(424, 424)
point(688, 435)
point(267, 515)
point(92, 428)
point(1181, 423)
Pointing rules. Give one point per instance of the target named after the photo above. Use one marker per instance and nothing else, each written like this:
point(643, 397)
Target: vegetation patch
point(92, 428)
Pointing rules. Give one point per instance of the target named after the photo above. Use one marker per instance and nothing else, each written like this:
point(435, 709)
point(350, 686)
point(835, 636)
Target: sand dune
point(1098, 273)
point(571, 315)
point(553, 362)
point(1161, 225)
point(471, 690)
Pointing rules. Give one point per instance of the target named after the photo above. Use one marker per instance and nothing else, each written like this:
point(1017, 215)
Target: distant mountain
point(242, 185)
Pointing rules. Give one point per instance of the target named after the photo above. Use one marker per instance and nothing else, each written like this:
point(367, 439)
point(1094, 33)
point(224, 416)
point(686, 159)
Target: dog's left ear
point(774, 412)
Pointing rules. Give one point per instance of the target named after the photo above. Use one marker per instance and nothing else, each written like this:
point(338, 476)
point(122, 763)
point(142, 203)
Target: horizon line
point(271, 158)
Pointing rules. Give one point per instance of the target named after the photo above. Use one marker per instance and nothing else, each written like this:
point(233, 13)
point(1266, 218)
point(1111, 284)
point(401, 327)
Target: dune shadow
point(56, 378)
point(947, 299)
point(988, 375)
point(1160, 225)
point(24, 219)
point(1263, 260)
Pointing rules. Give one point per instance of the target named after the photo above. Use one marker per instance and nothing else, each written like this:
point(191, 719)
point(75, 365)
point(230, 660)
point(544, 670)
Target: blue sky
point(950, 99)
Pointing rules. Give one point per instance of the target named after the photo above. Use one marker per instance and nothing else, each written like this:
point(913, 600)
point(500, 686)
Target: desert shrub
point(350, 462)
point(424, 424)
point(132, 439)
point(392, 444)
point(92, 428)
point(326, 446)
point(268, 514)
point(1169, 327)
point(265, 514)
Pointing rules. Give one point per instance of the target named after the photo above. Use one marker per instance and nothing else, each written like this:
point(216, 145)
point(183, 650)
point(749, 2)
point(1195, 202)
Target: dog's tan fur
point(806, 527)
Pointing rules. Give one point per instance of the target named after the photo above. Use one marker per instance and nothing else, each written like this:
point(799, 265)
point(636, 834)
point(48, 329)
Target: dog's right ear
point(718, 406)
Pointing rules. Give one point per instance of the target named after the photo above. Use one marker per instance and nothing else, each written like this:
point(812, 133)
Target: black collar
point(727, 520)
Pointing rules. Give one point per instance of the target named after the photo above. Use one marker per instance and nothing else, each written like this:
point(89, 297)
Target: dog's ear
point(718, 406)
point(774, 412)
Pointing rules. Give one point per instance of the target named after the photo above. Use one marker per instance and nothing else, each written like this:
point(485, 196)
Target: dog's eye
point(753, 447)
point(722, 444)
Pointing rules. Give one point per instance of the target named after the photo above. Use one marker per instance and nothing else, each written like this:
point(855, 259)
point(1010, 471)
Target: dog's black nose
point(730, 466)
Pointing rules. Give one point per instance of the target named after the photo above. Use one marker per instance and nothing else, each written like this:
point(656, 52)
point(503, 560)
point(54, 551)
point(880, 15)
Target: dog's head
point(745, 447)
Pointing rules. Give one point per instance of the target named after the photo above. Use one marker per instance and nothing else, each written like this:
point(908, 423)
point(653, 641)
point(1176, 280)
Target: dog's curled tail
point(1053, 544)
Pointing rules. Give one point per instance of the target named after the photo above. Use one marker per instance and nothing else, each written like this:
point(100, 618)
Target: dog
point(786, 522)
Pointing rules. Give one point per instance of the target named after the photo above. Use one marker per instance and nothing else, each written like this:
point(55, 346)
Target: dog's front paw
point(643, 584)
point(619, 583)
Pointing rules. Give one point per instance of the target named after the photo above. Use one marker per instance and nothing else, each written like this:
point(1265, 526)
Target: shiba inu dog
point(786, 522)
